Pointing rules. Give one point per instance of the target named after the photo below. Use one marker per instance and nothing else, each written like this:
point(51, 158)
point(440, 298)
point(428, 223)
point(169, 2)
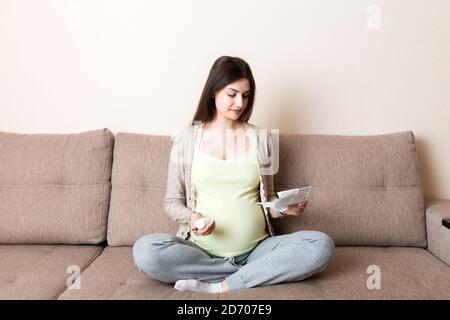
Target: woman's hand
point(296, 209)
point(204, 231)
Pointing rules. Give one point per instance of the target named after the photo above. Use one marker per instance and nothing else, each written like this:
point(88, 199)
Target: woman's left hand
point(296, 209)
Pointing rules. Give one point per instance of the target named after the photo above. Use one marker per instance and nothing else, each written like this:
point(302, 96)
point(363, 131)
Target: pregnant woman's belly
point(239, 226)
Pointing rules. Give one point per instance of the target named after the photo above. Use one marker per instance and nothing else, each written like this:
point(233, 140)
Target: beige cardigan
point(179, 199)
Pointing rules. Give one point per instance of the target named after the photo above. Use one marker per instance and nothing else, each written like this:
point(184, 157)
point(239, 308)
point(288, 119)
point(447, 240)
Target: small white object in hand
point(202, 222)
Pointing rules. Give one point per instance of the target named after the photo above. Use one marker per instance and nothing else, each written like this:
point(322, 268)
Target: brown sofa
point(81, 200)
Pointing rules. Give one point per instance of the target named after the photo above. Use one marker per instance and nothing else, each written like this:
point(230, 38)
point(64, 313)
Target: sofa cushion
point(41, 271)
point(113, 275)
point(139, 177)
point(55, 188)
point(405, 273)
point(367, 190)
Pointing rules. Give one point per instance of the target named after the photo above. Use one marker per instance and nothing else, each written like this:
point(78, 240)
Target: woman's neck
point(222, 125)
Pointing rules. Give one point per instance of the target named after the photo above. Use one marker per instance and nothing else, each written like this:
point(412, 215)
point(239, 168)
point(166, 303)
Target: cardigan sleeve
point(274, 213)
point(175, 198)
point(271, 195)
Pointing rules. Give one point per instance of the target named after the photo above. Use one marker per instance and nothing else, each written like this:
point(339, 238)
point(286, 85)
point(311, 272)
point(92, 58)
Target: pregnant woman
point(220, 167)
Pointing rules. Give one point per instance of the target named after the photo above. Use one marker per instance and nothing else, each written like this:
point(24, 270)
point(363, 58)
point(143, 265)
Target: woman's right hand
point(201, 232)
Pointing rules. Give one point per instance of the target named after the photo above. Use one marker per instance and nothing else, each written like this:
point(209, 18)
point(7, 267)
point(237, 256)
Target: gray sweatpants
point(283, 258)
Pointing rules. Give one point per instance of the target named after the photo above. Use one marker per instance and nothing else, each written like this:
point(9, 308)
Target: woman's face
point(232, 100)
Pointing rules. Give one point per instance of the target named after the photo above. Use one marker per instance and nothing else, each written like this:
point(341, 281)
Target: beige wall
point(139, 66)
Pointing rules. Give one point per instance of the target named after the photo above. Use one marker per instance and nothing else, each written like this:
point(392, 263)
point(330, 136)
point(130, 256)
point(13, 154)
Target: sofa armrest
point(438, 236)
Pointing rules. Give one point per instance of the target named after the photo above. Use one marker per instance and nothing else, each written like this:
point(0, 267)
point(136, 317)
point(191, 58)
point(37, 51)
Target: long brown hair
point(224, 71)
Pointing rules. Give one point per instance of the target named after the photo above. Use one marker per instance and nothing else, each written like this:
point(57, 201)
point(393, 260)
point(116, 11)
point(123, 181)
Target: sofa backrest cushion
point(366, 189)
point(55, 188)
point(138, 180)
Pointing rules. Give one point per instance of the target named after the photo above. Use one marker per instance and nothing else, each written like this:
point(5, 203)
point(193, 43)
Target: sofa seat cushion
point(113, 275)
point(41, 271)
point(406, 273)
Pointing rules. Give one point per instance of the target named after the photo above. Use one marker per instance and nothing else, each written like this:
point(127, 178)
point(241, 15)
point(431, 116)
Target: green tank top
point(227, 191)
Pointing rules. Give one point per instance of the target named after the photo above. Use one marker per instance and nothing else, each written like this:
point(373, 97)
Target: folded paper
point(287, 198)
